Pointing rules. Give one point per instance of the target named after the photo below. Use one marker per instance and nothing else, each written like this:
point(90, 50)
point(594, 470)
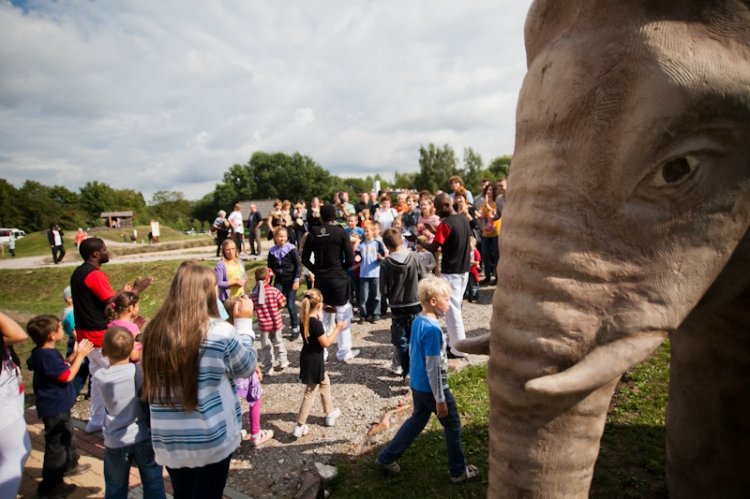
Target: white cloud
point(168, 95)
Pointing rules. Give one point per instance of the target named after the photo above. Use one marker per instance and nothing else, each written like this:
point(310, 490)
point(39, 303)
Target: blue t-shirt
point(427, 340)
point(369, 266)
point(53, 397)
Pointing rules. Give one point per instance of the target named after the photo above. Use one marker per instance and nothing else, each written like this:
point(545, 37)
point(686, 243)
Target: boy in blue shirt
point(429, 384)
point(54, 398)
point(369, 254)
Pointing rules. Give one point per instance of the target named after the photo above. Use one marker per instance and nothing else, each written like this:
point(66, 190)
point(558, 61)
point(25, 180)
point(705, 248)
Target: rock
point(326, 472)
point(310, 488)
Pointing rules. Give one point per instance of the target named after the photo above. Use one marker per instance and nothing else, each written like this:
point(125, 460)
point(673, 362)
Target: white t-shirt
point(235, 219)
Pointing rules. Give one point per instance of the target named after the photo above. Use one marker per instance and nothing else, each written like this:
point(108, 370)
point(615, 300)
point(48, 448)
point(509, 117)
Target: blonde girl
point(230, 272)
point(312, 361)
point(190, 359)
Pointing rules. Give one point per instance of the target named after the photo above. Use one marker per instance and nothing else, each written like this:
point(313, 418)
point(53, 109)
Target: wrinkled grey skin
point(626, 221)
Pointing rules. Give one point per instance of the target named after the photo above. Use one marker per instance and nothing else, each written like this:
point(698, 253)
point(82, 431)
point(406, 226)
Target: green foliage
point(473, 170)
point(500, 166)
point(10, 208)
point(436, 166)
point(404, 180)
point(171, 207)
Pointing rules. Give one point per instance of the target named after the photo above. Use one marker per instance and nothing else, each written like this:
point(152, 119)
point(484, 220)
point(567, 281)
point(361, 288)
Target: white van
point(6, 233)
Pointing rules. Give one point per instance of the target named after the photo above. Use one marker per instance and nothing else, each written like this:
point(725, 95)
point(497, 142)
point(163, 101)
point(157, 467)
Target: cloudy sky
point(167, 95)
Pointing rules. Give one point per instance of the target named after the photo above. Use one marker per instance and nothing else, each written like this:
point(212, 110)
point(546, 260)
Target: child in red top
point(268, 303)
point(472, 287)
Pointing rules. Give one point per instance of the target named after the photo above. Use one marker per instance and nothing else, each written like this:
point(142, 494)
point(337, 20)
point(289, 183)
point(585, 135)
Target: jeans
point(60, 453)
point(400, 337)
point(291, 302)
point(206, 482)
point(96, 361)
point(424, 406)
point(369, 297)
point(253, 239)
point(58, 253)
point(117, 471)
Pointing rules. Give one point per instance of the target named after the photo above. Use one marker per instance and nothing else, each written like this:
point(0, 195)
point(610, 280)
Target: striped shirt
point(268, 314)
point(211, 432)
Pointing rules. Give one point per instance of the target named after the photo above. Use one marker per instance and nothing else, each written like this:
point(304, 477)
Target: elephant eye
point(675, 171)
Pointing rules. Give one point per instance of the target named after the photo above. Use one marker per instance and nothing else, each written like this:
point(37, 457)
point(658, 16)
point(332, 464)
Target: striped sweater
point(210, 433)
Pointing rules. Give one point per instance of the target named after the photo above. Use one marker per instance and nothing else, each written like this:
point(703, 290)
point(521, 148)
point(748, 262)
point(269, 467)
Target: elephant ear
point(479, 345)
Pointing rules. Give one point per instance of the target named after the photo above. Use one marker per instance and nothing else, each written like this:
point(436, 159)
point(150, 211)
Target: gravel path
point(364, 390)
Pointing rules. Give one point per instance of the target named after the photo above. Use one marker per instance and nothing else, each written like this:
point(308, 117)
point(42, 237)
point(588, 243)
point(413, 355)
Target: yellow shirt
point(235, 271)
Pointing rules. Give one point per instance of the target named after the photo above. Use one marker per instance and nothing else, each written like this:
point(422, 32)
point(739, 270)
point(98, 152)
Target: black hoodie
point(400, 273)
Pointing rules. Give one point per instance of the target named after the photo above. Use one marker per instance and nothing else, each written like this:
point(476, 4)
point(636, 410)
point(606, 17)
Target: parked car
point(6, 233)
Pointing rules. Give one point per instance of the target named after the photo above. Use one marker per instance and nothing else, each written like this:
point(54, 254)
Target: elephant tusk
point(600, 366)
point(479, 345)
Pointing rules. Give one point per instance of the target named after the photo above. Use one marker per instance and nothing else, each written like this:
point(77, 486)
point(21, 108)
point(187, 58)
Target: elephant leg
point(708, 414)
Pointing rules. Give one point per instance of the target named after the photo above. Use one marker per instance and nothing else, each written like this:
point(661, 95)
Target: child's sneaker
point(261, 437)
point(300, 430)
point(470, 472)
point(397, 370)
point(269, 372)
point(390, 467)
point(331, 417)
point(283, 364)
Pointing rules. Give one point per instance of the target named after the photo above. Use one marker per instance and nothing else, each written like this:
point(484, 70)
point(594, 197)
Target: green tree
point(10, 212)
point(97, 197)
point(40, 208)
point(170, 206)
point(473, 170)
point(404, 180)
point(436, 166)
point(500, 166)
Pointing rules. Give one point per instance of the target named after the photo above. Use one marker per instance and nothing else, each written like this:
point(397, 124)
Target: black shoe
point(78, 469)
point(361, 320)
point(371, 320)
point(62, 489)
point(452, 355)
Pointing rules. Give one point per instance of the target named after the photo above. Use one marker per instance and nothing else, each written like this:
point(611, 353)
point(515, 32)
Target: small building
point(117, 219)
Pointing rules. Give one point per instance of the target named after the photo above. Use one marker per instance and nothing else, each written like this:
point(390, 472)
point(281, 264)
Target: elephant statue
point(625, 222)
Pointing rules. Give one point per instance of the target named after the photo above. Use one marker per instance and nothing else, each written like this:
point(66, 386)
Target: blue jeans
point(369, 297)
point(60, 453)
point(117, 471)
point(400, 336)
point(424, 406)
point(206, 482)
point(490, 255)
point(291, 302)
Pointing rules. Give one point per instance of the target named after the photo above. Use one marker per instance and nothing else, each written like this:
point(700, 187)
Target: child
point(400, 274)
point(249, 388)
point(127, 435)
point(54, 398)
point(311, 362)
point(124, 311)
point(427, 258)
point(472, 287)
point(429, 384)
point(284, 262)
point(368, 255)
point(268, 302)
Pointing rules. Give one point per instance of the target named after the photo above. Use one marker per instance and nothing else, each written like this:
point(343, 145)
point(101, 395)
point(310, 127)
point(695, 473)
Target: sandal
point(470, 472)
point(260, 438)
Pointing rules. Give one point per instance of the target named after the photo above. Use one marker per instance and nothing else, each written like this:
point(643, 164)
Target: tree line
point(34, 206)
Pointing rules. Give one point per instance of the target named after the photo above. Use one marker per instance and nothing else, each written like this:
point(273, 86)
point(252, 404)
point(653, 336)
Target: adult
point(15, 445)
point(92, 294)
point(452, 237)
point(254, 223)
point(155, 231)
point(313, 214)
point(79, 237)
point(384, 214)
point(488, 216)
point(456, 183)
point(500, 186)
point(238, 228)
point(299, 222)
point(327, 253)
point(276, 218)
point(230, 272)
point(221, 228)
point(55, 238)
point(365, 203)
point(462, 206)
point(343, 207)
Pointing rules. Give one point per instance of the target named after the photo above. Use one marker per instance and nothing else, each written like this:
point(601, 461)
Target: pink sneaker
point(260, 438)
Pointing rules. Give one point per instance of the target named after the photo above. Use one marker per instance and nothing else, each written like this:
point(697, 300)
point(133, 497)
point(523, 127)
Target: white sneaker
point(349, 356)
point(283, 365)
point(332, 416)
point(397, 370)
point(270, 372)
point(300, 430)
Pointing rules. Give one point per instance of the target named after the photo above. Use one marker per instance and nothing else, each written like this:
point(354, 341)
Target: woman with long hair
point(230, 272)
point(190, 359)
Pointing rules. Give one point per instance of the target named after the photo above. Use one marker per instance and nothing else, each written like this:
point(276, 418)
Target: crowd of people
point(166, 392)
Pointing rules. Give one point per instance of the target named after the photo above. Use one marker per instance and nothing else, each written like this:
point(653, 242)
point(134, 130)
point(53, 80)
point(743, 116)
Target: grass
point(631, 463)
point(36, 243)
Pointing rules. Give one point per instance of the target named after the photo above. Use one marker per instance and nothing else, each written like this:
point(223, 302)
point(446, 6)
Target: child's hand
point(441, 409)
point(84, 347)
point(243, 308)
